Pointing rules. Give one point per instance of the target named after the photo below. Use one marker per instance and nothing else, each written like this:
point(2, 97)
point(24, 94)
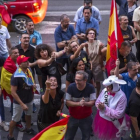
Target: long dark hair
point(74, 64)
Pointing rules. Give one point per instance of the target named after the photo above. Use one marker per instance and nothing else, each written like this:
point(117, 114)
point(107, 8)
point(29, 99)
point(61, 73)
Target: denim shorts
point(17, 111)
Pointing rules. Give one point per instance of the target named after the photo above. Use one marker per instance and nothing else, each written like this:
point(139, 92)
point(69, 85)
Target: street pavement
point(46, 28)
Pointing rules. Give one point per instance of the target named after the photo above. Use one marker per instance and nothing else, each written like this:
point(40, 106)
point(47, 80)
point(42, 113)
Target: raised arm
point(116, 71)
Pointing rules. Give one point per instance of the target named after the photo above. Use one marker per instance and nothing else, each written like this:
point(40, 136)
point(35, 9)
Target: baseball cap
point(138, 82)
point(21, 59)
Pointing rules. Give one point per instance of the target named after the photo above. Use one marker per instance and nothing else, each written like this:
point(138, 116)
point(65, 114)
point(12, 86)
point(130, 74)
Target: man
point(134, 111)
point(95, 12)
point(22, 85)
point(35, 39)
point(8, 69)
point(127, 8)
point(28, 50)
point(63, 34)
point(130, 77)
point(80, 98)
point(85, 23)
point(127, 30)
point(136, 20)
point(125, 55)
point(4, 40)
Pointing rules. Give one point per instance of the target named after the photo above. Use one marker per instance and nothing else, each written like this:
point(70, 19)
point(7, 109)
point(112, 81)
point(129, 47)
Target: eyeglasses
point(78, 80)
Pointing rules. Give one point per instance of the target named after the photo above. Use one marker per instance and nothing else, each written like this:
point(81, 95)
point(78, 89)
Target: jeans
point(2, 112)
point(5, 55)
point(83, 124)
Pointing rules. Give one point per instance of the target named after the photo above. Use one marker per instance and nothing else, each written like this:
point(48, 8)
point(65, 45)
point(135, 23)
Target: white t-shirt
point(4, 34)
point(136, 17)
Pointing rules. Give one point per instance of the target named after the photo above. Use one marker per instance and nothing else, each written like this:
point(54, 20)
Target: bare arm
point(45, 97)
point(72, 104)
point(16, 97)
point(60, 53)
point(136, 25)
point(76, 54)
point(67, 84)
point(134, 36)
point(33, 64)
point(116, 71)
point(135, 123)
point(43, 63)
point(8, 43)
point(90, 103)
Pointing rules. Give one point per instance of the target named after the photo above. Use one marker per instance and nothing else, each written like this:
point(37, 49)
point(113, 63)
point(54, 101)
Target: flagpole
point(115, 10)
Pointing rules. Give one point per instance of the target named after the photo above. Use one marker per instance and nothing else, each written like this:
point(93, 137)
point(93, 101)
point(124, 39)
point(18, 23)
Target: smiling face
point(44, 54)
point(80, 66)
point(54, 83)
point(25, 39)
point(124, 21)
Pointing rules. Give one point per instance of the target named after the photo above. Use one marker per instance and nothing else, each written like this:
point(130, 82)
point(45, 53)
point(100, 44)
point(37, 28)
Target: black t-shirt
point(47, 112)
point(51, 70)
point(129, 57)
point(71, 77)
point(29, 53)
point(134, 105)
point(24, 91)
point(83, 55)
point(127, 35)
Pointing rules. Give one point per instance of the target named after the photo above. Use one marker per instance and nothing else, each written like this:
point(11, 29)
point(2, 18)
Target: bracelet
point(47, 88)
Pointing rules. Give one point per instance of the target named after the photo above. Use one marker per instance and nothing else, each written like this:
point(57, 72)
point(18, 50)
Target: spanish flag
point(115, 38)
point(5, 16)
point(55, 131)
point(6, 73)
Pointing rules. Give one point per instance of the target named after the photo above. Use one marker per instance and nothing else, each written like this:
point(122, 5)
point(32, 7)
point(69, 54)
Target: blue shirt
point(61, 35)
point(35, 38)
point(82, 25)
point(128, 88)
point(95, 13)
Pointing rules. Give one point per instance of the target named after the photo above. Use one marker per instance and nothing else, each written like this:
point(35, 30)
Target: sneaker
point(5, 126)
point(20, 127)
point(9, 138)
point(30, 131)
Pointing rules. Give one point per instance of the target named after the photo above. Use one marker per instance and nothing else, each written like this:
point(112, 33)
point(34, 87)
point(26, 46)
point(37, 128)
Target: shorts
point(17, 111)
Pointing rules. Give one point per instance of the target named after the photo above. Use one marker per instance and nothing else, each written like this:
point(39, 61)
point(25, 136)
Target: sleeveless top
point(47, 112)
point(127, 35)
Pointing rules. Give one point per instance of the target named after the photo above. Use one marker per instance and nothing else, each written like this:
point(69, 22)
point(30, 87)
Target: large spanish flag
point(56, 131)
point(7, 70)
point(115, 38)
point(5, 16)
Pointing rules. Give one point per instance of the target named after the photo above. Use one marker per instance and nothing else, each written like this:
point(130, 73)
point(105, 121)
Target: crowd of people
point(82, 54)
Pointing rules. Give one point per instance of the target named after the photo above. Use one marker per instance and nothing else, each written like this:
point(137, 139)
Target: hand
point(58, 113)
point(101, 106)
point(24, 107)
point(48, 83)
point(101, 45)
point(82, 102)
point(53, 56)
point(117, 62)
point(138, 134)
point(34, 86)
point(66, 49)
point(86, 45)
point(82, 34)
point(103, 68)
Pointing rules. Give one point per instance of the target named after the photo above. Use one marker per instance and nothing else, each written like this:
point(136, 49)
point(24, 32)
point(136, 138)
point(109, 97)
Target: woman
point(78, 64)
point(46, 62)
point(51, 104)
point(110, 122)
point(95, 57)
point(74, 51)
